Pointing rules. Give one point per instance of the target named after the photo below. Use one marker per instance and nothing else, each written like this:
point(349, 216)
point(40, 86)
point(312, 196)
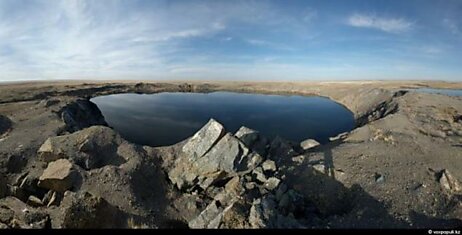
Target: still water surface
point(449, 92)
point(167, 118)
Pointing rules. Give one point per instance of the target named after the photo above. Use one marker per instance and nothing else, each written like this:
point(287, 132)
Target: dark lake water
point(167, 118)
point(449, 92)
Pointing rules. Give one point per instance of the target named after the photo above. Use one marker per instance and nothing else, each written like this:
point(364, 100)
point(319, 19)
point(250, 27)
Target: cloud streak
point(389, 25)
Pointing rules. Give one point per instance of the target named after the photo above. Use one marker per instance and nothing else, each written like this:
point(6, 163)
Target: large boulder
point(90, 148)
point(81, 114)
point(228, 157)
point(58, 176)
point(252, 139)
point(204, 139)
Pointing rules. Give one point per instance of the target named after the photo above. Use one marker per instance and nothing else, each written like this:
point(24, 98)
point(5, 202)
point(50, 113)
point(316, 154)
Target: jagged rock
point(187, 204)
point(204, 139)
point(272, 183)
point(81, 114)
point(58, 176)
point(269, 165)
point(298, 159)
point(47, 197)
point(47, 152)
point(29, 184)
point(255, 160)
point(232, 190)
point(53, 200)
point(34, 201)
point(235, 216)
point(340, 136)
point(260, 176)
point(449, 183)
point(84, 210)
point(247, 135)
point(253, 140)
point(90, 148)
point(227, 157)
point(16, 214)
point(263, 213)
point(208, 218)
point(309, 144)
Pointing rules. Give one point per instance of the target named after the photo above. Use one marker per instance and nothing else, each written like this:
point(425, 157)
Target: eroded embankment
point(85, 173)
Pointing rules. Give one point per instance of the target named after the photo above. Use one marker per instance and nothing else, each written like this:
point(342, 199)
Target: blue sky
point(231, 40)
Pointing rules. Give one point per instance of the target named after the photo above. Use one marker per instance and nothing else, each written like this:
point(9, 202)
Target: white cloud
point(390, 25)
point(60, 39)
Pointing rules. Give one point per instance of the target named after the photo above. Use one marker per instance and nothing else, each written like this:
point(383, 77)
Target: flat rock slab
point(58, 176)
point(309, 144)
point(204, 139)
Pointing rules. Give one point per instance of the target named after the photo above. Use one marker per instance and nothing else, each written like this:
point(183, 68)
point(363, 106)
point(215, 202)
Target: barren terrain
point(60, 166)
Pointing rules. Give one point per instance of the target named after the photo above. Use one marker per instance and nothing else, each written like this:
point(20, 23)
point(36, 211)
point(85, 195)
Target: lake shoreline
point(390, 156)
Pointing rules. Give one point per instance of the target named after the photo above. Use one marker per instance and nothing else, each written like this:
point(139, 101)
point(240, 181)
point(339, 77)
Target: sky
point(231, 39)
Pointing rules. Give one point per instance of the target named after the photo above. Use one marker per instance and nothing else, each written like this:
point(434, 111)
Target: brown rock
point(58, 176)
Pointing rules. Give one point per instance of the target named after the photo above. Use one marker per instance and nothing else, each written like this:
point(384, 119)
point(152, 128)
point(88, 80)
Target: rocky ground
point(62, 167)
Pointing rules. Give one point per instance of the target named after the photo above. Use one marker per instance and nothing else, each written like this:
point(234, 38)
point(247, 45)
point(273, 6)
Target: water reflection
point(167, 118)
point(449, 92)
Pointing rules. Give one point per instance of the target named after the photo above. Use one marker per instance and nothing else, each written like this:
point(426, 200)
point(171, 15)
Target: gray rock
point(269, 165)
point(260, 176)
point(254, 160)
point(272, 183)
point(235, 216)
point(53, 199)
point(263, 213)
point(227, 158)
point(308, 144)
point(91, 148)
point(34, 201)
point(298, 159)
point(81, 114)
point(379, 178)
point(232, 190)
point(256, 219)
point(340, 136)
point(449, 182)
point(58, 176)
point(247, 136)
point(210, 217)
point(204, 139)
point(17, 214)
point(187, 204)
